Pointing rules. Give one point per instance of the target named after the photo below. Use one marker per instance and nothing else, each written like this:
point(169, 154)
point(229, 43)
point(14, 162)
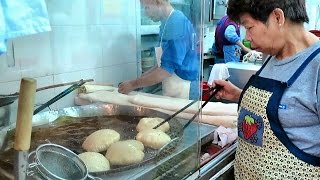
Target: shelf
point(149, 29)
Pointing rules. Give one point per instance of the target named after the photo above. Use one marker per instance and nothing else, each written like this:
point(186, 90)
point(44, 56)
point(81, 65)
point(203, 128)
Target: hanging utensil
point(7, 99)
point(59, 96)
point(10, 98)
point(24, 126)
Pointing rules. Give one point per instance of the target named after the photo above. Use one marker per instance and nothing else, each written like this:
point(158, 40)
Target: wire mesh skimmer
point(55, 162)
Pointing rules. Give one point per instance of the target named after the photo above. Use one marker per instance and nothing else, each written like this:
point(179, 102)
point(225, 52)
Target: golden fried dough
point(151, 122)
point(94, 161)
point(153, 138)
point(125, 153)
point(100, 140)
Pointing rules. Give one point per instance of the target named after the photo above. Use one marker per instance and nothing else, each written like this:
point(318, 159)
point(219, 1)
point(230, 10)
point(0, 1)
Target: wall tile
point(90, 39)
point(130, 71)
point(76, 48)
point(95, 74)
point(113, 74)
point(119, 73)
point(9, 68)
point(119, 44)
point(73, 12)
point(118, 12)
point(32, 52)
point(9, 87)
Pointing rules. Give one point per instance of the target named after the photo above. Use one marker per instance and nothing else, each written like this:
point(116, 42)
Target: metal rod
point(62, 84)
point(182, 109)
point(49, 87)
point(21, 164)
point(218, 88)
point(59, 96)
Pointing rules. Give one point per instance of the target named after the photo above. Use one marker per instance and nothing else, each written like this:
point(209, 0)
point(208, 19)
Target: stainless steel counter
point(241, 72)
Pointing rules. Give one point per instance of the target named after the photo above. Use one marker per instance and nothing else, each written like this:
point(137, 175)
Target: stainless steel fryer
point(126, 128)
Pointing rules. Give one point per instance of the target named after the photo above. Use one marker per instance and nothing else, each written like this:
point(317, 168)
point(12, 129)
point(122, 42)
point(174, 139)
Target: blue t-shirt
point(231, 52)
point(178, 47)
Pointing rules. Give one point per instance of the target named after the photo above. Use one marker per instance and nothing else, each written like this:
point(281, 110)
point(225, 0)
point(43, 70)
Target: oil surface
point(70, 132)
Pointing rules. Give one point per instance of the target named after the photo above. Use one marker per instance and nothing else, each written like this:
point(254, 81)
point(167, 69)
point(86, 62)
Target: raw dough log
point(153, 138)
point(151, 122)
point(226, 121)
point(100, 140)
point(175, 104)
point(215, 113)
point(125, 153)
point(108, 97)
point(94, 161)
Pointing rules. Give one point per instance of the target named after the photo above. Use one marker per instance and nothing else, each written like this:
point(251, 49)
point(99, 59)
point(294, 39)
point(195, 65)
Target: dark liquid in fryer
point(70, 132)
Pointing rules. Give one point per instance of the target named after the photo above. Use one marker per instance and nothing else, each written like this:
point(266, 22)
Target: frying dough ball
point(135, 143)
point(153, 138)
point(150, 123)
point(94, 161)
point(124, 153)
point(100, 140)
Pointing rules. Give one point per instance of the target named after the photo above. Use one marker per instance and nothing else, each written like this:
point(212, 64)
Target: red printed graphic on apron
point(250, 127)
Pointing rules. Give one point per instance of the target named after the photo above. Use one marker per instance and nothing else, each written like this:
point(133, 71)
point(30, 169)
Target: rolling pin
point(24, 127)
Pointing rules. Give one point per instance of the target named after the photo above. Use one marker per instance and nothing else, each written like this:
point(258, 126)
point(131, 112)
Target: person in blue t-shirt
point(228, 46)
point(178, 64)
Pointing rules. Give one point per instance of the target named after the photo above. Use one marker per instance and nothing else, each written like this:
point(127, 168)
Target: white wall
point(89, 39)
point(313, 10)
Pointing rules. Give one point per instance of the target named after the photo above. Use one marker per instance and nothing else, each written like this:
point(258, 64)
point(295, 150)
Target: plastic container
point(205, 88)
point(246, 43)
point(315, 32)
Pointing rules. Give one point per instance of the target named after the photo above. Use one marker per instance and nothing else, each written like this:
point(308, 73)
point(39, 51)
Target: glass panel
point(174, 36)
point(113, 41)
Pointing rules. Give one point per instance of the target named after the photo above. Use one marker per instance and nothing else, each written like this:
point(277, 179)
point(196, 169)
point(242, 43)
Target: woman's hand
point(229, 91)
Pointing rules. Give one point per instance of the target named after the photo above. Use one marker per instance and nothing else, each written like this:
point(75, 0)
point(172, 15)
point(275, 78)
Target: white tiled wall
point(90, 39)
point(313, 10)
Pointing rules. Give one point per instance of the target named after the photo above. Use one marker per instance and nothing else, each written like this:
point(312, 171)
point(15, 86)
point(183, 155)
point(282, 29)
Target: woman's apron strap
point(301, 68)
point(278, 129)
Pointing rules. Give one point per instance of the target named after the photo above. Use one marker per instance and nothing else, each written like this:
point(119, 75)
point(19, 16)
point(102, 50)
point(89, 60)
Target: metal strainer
point(56, 162)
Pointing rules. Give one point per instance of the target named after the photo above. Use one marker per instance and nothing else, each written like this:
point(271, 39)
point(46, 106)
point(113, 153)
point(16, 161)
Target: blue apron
point(265, 151)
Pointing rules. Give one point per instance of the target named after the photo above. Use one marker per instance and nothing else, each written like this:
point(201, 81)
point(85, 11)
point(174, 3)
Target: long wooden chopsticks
point(215, 90)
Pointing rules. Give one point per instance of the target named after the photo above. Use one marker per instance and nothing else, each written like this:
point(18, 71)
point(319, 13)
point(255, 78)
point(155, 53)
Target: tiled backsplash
point(90, 39)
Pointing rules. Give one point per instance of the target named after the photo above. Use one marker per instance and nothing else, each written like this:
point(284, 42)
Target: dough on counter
point(153, 138)
point(125, 153)
point(94, 161)
point(175, 104)
point(100, 140)
point(106, 96)
point(151, 122)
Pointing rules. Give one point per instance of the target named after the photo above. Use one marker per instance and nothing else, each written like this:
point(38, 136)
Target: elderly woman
point(279, 108)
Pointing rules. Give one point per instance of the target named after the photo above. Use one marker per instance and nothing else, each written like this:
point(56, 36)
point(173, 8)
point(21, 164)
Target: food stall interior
point(110, 42)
